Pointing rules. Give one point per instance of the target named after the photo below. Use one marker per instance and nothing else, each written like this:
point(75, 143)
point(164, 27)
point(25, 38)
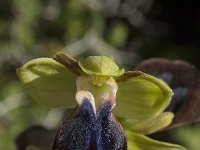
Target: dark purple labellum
point(89, 131)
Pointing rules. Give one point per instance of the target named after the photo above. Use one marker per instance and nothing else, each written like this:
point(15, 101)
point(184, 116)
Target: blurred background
point(128, 30)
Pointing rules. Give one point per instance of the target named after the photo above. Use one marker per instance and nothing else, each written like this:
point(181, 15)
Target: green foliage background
point(35, 28)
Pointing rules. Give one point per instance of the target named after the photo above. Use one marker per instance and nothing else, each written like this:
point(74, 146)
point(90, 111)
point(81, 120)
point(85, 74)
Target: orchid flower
point(101, 94)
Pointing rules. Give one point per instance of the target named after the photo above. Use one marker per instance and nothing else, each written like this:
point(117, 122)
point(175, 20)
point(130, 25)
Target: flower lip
point(100, 65)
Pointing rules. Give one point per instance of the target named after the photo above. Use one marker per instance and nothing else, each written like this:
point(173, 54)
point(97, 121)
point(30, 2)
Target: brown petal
point(69, 62)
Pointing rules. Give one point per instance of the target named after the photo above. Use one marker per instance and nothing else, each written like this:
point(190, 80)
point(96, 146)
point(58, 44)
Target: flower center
point(99, 79)
point(102, 88)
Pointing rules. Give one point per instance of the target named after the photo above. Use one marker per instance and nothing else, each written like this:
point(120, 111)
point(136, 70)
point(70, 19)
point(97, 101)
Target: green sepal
point(142, 97)
point(148, 126)
point(48, 82)
point(141, 142)
point(100, 65)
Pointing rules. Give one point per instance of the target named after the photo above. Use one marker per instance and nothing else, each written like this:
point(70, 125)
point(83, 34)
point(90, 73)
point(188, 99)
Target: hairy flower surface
point(97, 88)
